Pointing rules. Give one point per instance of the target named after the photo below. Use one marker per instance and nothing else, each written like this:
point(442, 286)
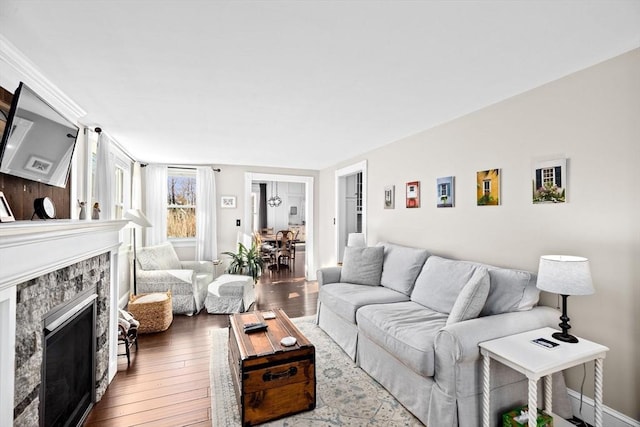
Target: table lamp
point(565, 275)
point(137, 218)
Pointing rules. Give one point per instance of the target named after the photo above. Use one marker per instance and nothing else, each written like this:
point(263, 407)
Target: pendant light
point(276, 201)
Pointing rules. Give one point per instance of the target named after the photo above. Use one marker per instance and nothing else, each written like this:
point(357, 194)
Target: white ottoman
point(230, 293)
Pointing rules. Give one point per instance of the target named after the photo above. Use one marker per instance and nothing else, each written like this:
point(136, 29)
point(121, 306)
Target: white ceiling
point(301, 84)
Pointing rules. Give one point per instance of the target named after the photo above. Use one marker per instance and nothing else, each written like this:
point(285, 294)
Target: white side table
point(519, 353)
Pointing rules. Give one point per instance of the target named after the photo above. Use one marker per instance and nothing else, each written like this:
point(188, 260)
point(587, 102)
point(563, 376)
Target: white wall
point(592, 118)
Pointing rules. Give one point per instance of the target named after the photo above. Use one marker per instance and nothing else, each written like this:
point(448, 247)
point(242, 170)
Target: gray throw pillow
point(441, 281)
point(362, 266)
point(401, 266)
point(472, 298)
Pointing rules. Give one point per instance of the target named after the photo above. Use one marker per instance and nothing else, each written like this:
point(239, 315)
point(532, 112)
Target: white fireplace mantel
point(29, 249)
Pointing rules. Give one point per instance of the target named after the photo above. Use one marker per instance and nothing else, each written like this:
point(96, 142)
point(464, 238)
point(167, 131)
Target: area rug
point(345, 394)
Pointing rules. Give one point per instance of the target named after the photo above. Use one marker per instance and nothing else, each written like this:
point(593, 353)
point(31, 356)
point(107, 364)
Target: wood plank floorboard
point(167, 383)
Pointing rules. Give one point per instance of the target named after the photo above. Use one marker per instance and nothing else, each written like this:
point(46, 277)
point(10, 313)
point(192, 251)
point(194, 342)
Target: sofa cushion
point(345, 299)
point(441, 281)
point(511, 290)
point(471, 299)
point(401, 266)
point(362, 266)
point(159, 257)
point(406, 330)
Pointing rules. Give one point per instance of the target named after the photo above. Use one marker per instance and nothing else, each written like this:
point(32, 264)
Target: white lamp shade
point(565, 275)
point(137, 217)
point(356, 239)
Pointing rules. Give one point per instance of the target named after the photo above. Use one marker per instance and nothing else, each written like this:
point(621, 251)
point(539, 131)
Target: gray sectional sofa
point(413, 322)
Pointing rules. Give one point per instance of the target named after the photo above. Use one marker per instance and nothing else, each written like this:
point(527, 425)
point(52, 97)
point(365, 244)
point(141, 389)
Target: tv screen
point(38, 141)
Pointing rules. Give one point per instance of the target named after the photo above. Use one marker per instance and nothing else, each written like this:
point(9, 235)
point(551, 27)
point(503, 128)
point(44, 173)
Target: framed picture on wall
point(413, 194)
point(549, 181)
point(228, 202)
point(488, 187)
point(445, 192)
point(390, 197)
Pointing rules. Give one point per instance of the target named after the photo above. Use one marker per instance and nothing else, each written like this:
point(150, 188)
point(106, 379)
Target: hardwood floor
point(168, 383)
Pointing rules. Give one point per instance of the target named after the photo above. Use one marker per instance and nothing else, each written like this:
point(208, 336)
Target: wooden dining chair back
point(284, 241)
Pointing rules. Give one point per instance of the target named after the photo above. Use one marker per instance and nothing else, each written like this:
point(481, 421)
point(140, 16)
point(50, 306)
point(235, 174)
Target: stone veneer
point(35, 299)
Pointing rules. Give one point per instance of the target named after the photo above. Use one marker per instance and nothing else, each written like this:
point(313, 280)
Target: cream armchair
point(159, 270)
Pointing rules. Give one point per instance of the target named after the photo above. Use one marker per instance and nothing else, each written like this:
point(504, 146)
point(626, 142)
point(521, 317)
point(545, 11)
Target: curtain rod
point(185, 166)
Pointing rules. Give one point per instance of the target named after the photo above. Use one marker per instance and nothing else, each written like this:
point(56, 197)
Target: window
point(444, 190)
point(487, 186)
point(181, 203)
point(548, 177)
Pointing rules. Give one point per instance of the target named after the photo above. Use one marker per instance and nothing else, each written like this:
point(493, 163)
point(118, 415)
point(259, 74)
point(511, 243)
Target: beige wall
point(592, 118)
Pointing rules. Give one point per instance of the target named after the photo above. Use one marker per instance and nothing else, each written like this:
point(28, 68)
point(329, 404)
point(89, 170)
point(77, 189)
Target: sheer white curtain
point(136, 186)
point(206, 236)
point(156, 203)
point(104, 179)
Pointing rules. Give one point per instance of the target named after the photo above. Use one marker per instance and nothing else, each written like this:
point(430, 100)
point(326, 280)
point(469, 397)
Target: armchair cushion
point(159, 257)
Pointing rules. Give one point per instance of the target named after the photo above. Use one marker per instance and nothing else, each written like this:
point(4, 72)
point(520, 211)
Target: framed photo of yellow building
point(488, 187)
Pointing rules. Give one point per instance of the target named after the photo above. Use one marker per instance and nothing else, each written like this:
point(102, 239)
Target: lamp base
point(564, 337)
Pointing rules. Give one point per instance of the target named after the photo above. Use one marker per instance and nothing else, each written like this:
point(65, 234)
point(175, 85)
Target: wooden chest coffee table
point(271, 381)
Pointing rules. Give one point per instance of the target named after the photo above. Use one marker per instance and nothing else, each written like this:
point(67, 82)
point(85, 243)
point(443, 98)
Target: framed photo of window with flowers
point(549, 181)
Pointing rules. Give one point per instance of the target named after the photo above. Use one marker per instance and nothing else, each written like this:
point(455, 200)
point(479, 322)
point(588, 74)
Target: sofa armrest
point(329, 275)
point(458, 343)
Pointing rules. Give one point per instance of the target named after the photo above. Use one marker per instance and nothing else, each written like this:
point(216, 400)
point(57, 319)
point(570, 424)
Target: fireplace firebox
point(69, 364)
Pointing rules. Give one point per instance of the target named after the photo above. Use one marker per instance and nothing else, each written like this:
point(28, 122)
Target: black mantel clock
point(44, 208)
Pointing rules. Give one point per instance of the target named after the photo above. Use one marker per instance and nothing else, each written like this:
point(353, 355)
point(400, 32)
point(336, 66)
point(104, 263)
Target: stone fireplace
point(48, 269)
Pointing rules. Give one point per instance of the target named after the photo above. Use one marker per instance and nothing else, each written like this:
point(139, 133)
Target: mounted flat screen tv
point(38, 141)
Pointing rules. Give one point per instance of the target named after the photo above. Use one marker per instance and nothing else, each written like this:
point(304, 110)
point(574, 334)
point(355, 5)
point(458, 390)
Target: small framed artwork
point(488, 187)
point(39, 165)
point(5, 211)
point(445, 192)
point(390, 197)
point(549, 181)
point(228, 202)
point(413, 194)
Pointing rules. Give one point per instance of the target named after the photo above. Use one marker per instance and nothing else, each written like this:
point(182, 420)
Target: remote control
point(251, 325)
point(257, 328)
point(545, 343)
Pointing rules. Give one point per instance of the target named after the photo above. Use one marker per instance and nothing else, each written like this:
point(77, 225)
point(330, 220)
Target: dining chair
point(284, 240)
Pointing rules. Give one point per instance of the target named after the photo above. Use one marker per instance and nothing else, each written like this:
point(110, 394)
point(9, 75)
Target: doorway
point(351, 204)
point(303, 213)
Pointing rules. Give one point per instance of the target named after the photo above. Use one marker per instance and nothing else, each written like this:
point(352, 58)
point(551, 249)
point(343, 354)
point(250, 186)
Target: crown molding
point(33, 77)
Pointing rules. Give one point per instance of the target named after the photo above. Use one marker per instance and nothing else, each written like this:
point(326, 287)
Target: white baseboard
point(610, 417)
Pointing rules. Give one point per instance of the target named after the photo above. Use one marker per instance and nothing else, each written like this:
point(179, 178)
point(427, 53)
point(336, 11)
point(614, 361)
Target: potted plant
point(246, 261)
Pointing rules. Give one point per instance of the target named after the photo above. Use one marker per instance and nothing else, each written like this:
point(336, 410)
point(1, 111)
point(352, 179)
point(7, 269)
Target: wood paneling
point(20, 192)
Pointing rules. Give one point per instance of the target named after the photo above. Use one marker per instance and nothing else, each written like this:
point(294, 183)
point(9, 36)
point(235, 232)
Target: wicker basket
point(153, 311)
